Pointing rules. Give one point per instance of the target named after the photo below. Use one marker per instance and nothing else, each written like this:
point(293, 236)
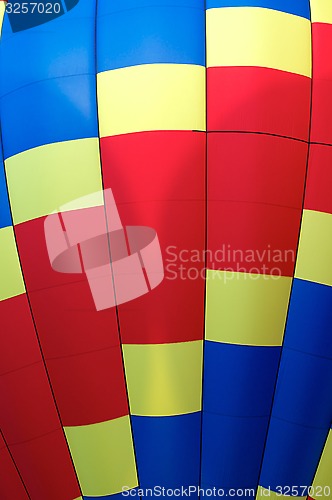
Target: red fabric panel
point(18, 342)
point(258, 100)
point(69, 325)
point(255, 190)
point(28, 409)
point(256, 168)
point(321, 126)
point(11, 486)
point(46, 467)
point(28, 416)
point(259, 229)
point(319, 182)
point(90, 386)
point(158, 180)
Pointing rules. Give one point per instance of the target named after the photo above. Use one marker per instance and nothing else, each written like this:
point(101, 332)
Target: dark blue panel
point(63, 48)
point(304, 389)
point(167, 449)
point(298, 7)
point(70, 4)
point(292, 454)
point(239, 380)
point(151, 35)
point(5, 217)
point(309, 323)
point(232, 451)
point(54, 110)
point(24, 14)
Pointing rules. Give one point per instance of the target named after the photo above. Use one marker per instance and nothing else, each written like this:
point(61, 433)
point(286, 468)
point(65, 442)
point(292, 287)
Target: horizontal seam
point(45, 80)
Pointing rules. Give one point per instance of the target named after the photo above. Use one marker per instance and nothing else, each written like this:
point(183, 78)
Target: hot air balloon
point(207, 127)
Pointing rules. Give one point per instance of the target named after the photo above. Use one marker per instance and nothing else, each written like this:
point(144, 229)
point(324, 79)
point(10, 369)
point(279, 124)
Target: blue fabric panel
point(60, 109)
point(167, 449)
point(108, 6)
point(292, 454)
point(232, 451)
point(48, 88)
point(309, 323)
point(5, 216)
point(154, 34)
point(63, 48)
point(239, 380)
point(116, 496)
point(297, 7)
point(304, 389)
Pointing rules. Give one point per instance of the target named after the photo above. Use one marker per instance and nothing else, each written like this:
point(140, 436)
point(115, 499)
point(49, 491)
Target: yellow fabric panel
point(315, 248)
point(103, 456)
point(247, 309)
point(11, 280)
point(2, 13)
point(323, 475)
point(272, 495)
point(321, 11)
point(253, 36)
point(164, 379)
point(151, 97)
point(44, 178)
